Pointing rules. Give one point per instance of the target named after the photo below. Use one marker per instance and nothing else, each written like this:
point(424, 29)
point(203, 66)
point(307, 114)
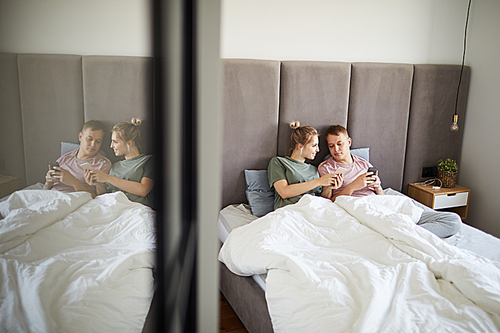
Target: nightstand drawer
point(451, 200)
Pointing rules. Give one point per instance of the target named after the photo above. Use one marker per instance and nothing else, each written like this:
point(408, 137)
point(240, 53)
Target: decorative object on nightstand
point(454, 199)
point(447, 172)
point(8, 185)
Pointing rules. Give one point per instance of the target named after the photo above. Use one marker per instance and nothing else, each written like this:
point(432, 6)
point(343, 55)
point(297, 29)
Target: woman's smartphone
point(86, 166)
point(340, 171)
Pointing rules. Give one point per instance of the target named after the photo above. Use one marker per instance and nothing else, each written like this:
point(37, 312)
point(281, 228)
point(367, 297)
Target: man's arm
point(65, 177)
point(359, 183)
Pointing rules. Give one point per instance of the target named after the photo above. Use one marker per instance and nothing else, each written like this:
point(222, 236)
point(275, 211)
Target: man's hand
point(50, 179)
point(362, 181)
point(376, 184)
point(65, 177)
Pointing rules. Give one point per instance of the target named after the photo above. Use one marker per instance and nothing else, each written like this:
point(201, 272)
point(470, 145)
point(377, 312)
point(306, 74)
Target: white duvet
point(70, 263)
point(362, 265)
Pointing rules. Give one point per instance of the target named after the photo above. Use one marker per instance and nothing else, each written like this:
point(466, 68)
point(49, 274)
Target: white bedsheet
point(362, 265)
point(70, 263)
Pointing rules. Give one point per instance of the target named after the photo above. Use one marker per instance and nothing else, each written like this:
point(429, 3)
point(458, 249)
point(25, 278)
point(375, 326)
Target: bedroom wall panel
point(51, 93)
point(250, 97)
point(316, 94)
point(117, 89)
point(11, 133)
point(379, 106)
point(432, 107)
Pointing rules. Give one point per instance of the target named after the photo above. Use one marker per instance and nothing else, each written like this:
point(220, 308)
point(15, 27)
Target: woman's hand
point(87, 174)
point(97, 176)
point(328, 180)
point(338, 181)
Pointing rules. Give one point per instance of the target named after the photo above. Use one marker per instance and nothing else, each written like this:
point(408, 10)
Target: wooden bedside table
point(455, 199)
point(8, 185)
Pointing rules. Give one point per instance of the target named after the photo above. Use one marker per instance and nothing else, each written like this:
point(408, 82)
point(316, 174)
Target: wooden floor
point(229, 321)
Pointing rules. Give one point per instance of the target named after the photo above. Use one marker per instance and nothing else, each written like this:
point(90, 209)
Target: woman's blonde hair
point(301, 134)
point(129, 131)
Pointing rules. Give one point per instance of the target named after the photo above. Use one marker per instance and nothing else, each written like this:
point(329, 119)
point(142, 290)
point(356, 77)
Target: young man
point(357, 181)
point(69, 176)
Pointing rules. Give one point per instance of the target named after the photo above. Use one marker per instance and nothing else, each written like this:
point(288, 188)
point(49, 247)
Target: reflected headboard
point(402, 112)
point(46, 99)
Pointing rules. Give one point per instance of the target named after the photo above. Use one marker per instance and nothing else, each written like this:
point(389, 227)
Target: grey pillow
point(259, 194)
point(360, 152)
point(66, 147)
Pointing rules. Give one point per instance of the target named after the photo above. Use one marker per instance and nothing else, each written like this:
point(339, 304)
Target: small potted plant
point(447, 172)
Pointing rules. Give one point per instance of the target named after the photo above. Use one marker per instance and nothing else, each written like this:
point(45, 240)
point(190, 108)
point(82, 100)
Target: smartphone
point(54, 164)
point(87, 166)
point(340, 171)
point(372, 169)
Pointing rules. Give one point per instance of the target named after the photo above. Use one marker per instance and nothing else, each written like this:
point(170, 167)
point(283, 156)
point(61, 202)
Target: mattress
point(232, 217)
point(468, 238)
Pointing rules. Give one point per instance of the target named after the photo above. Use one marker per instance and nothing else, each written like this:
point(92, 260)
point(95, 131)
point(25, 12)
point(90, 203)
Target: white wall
point(411, 31)
point(404, 31)
point(481, 144)
point(96, 27)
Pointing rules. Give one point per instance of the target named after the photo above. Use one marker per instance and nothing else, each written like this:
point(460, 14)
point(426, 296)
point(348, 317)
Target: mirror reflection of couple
point(291, 177)
point(134, 175)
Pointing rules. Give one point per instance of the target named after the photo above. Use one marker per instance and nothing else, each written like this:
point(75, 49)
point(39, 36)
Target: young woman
point(291, 177)
point(135, 174)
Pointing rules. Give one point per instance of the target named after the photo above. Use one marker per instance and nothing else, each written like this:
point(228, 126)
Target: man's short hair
point(94, 125)
point(336, 130)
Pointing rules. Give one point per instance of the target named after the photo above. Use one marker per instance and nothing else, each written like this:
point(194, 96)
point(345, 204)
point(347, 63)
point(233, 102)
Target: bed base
point(247, 300)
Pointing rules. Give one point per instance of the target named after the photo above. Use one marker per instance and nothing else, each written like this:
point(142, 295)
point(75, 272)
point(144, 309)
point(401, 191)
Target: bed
point(71, 263)
point(401, 114)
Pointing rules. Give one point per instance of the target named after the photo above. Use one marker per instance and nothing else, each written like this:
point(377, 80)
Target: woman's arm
point(289, 191)
point(327, 191)
point(141, 188)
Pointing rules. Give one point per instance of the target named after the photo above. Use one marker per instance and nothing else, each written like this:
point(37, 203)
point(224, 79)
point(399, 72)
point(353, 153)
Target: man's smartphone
point(340, 171)
point(54, 164)
point(372, 169)
point(86, 166)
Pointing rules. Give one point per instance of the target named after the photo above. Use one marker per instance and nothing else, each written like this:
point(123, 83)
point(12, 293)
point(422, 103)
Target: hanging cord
point(463, 56)
point(432, 181)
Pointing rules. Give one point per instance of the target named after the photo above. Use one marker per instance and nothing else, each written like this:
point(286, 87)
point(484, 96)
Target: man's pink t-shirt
point(358, 167)
point(69, 162)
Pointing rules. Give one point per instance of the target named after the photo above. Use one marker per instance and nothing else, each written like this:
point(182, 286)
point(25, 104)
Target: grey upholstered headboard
point(48, 98)
point(402, 112)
